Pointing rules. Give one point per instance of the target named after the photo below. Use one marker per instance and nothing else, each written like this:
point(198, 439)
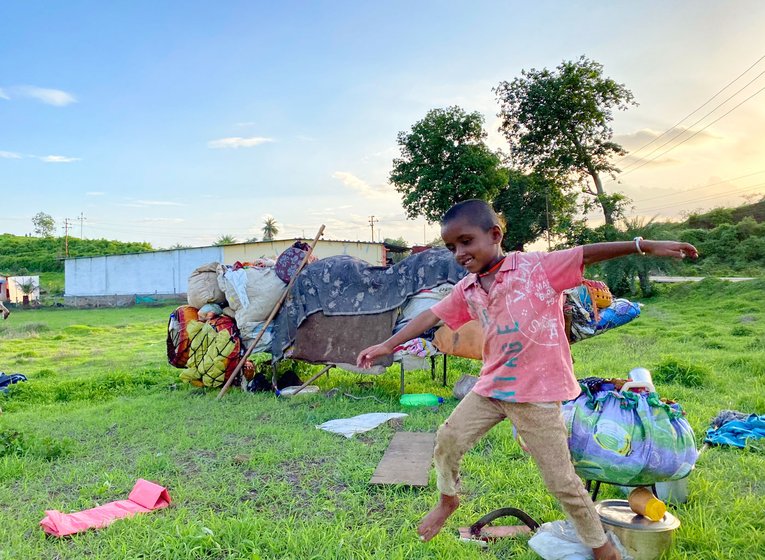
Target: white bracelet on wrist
point(637, 240)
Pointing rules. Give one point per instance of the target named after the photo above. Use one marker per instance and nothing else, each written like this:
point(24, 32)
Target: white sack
point(251, 292)
point(203, 287)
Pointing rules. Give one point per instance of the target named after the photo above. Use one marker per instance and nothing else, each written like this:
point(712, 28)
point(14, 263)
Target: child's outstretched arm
point(597, 252)
point(416, 326)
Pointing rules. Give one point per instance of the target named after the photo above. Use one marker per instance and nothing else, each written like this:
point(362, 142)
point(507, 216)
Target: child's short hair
point(477, 212)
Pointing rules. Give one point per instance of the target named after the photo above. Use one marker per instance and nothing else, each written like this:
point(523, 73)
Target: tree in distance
point(270, 228)
point(444, 160)
point(225, 240)
point(558, 124)
point(44, 224)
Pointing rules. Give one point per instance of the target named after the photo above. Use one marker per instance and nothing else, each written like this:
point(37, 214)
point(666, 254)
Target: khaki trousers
point(544, 433)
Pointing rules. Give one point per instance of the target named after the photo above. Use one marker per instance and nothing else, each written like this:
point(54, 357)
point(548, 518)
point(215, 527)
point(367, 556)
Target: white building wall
point(159, 272)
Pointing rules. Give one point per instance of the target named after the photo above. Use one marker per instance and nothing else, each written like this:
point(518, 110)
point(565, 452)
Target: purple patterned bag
point(288, 262)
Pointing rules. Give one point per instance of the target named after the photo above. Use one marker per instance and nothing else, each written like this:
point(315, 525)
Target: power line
point(710, 197)
point(678, 123)
point(702, 186)
point(694, 134)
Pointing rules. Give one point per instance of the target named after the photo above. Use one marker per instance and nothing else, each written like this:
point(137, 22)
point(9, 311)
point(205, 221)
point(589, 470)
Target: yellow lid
point(655, 509)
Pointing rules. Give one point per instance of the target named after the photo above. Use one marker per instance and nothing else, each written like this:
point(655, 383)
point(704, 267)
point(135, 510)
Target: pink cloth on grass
point(145, 496)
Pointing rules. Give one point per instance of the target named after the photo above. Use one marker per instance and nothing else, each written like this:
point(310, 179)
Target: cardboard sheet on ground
point(145, 496)
point(407, 459)
point(358, 424)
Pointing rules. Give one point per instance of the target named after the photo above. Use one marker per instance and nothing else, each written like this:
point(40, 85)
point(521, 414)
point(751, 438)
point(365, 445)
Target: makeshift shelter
point(340, 305)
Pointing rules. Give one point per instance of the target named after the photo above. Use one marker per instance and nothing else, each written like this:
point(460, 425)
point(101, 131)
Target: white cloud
point(10, 155)
point(362, 187)
point(245, 124)
point(58, 159)
point(3, 95)
point(238, 142)
point(56, 97)
point(95, 193)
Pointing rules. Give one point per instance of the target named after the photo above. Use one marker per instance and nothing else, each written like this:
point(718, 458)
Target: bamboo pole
point(324, 370)
point(270, 318)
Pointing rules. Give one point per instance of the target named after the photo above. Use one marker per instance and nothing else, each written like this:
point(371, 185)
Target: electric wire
point(678, 123)
point(694, 134)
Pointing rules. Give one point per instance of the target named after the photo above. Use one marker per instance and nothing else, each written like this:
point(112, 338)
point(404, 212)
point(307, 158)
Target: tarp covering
point(344, 285)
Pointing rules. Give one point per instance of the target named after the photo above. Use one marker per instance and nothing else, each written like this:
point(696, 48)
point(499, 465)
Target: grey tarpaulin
point(344, 285)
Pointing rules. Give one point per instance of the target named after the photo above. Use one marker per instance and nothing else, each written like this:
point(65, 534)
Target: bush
point(741, 330)
point(672, 370)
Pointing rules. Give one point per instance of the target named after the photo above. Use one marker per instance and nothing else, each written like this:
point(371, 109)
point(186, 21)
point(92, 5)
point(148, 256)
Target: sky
point(178, 122)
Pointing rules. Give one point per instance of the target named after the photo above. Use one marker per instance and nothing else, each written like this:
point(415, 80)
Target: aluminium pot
point(644, 539)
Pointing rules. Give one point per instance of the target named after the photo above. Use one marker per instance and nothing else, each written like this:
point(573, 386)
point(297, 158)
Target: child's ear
point(496, 234)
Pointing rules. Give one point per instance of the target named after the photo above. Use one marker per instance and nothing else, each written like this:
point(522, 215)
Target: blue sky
point(178, 122)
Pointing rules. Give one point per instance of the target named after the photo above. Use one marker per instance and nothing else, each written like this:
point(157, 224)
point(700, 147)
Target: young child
point(527, 369)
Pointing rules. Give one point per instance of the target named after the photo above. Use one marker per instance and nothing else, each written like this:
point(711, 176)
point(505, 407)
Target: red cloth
point(145, 496)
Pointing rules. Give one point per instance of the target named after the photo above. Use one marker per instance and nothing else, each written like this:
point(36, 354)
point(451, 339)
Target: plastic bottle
point(420, 399)
point(643, 502)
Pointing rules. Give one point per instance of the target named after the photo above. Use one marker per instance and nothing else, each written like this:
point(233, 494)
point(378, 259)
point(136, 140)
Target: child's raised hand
point(368, 356)
point(672, 249)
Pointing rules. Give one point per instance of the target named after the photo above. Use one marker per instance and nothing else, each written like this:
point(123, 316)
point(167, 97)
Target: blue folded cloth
point(736, 430)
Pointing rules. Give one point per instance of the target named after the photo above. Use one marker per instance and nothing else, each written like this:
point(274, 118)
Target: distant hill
point(20, 254)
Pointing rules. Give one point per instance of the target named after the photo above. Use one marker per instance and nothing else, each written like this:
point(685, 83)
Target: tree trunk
point(645, 283)
point(608, 212)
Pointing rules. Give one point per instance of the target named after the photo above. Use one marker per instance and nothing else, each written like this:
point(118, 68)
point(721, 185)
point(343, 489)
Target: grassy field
point(250, 476)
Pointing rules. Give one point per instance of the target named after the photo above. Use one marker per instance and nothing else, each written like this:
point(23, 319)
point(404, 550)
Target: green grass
point(250, 477)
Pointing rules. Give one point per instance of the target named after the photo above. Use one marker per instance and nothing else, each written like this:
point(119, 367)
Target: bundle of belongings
point(590, 309)
point(205, 343)
point(629, 437)
point(337, 307)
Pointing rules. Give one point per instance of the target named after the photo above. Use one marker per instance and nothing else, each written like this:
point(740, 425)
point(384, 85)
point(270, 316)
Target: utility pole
point(372, 222)
point(66, 236)
point(81, 217)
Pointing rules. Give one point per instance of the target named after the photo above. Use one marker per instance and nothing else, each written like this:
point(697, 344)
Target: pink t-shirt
point(526, 355)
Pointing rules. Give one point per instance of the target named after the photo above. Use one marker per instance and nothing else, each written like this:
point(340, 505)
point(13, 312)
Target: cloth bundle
point(628, 438)
point(214, 350)
point(736, 429)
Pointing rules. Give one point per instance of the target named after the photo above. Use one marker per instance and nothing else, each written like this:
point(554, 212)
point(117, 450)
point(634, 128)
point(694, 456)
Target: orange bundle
point(599, 292)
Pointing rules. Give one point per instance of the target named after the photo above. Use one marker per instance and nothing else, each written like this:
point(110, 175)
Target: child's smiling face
point(473, 247)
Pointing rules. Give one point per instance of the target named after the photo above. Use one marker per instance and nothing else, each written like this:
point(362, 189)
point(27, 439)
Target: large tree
point(44, 224)
point(444, 160)
point(558, 124)
point(532, 205)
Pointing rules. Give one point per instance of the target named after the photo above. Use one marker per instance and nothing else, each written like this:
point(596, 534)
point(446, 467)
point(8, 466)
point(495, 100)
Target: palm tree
point(225, 240)
point(270, 229)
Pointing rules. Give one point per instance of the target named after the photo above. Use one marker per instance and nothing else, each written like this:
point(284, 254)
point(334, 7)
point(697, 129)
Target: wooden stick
point(274, 311)
point(324, 370)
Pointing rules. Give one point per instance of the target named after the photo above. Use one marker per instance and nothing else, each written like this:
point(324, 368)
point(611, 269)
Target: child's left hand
point(673, 249)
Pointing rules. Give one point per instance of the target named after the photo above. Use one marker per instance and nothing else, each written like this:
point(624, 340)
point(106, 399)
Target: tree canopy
point(558, 124)
point(44, 224)
point(444, 160)
point(531, 205)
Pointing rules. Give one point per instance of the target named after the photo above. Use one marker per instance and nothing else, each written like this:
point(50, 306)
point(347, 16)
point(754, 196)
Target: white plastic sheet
point(358, 424)
point(558, 540)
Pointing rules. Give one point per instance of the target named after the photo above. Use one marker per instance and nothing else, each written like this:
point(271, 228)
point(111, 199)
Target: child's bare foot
point(607, 552)
point(432, 523)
